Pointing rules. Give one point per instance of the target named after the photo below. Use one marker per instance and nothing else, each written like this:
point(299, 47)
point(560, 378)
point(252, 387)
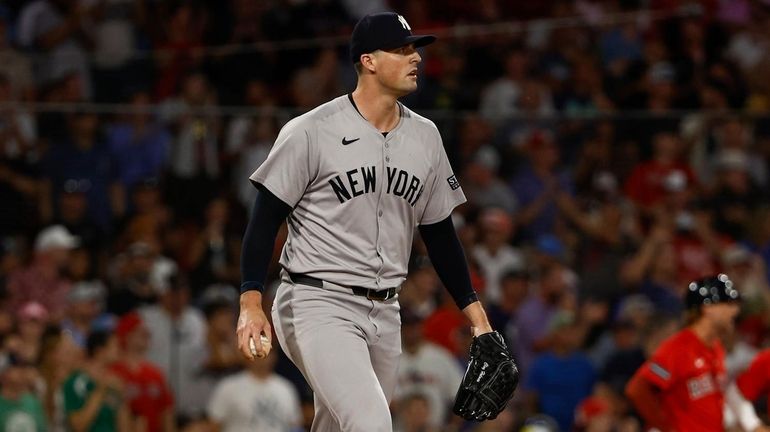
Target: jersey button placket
point(378, 247)
point(386, 157)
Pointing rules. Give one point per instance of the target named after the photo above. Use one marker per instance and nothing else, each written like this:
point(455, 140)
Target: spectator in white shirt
point(494, 254)
point(427, 369)
point(255, 400)
point(178, 345)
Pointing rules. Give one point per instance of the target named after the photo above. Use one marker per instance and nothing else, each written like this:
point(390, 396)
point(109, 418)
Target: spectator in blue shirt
point(84, 156)
point(139, 145)
point(537, 185)
point(562, 376)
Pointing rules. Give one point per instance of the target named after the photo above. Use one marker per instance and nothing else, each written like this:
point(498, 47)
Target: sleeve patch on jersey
point(453, 183)
point(701, 386)
point(659, 371)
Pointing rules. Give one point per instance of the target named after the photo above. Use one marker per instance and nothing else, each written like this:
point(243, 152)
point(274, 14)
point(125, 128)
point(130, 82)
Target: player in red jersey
point(755, 381)
point(682, 386)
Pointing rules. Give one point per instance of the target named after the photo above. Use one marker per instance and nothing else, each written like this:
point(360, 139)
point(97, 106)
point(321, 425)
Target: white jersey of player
point(357, 195)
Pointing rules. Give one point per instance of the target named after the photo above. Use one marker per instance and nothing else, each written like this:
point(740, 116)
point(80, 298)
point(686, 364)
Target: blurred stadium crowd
point(611, 151)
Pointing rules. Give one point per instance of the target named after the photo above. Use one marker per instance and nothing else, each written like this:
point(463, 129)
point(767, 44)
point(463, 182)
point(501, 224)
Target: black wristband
point(252, 286)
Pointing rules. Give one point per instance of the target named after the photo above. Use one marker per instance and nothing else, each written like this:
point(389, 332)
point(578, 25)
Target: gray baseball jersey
point(357, 195)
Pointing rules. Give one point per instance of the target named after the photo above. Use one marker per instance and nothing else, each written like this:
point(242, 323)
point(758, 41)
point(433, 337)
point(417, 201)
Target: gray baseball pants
point(347, 347)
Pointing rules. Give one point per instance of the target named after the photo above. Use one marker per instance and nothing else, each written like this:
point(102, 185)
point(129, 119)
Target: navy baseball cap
point(385, 31)
point(711, 290)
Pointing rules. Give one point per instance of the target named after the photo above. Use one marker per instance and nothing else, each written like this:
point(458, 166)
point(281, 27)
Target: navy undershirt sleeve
point(446, 254)
point(268, 214)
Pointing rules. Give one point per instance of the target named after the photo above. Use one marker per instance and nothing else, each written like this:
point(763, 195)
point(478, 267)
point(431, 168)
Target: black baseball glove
point(489, 381)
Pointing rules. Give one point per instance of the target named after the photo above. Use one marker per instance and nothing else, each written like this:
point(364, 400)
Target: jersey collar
point(401, 113)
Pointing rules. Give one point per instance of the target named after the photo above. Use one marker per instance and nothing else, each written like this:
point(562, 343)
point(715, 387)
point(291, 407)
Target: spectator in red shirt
point(444, 327)
point(181, 44)
point(149, 396)
point(697, 245)
point(646, 184)
point(42, 281)
point(755, 381)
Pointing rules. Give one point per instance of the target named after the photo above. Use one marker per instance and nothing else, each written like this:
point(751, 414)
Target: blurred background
point(611, 151)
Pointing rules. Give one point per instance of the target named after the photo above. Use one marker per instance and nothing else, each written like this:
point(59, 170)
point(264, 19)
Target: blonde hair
point(692, 315)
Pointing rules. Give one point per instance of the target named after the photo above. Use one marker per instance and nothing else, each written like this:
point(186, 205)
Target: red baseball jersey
point(755, 381)
point(149, 396)
point(645, 183)
point(691, 377)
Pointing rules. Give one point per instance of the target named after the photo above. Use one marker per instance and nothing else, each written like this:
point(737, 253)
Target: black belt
point(371, 294)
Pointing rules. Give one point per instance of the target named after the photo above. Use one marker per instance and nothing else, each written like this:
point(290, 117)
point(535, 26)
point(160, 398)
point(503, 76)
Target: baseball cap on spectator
point(487, 157)
point(86, 291)
point(383, 31)
point(219, 293)
point(74, 186)
point(517, 273)
point(139, 249)
point(550, 245)
point(590, 408)
point(164, 276)
point(540, 423)
point(33, 311)
point(735, 255)
point(560, 320)
point(634, 305)
point(126, 325)
point(537, 139)
point(662, 72)
point(605, 183)
point(732, 160)
point(55, 237)
point(496, 219)
point(675, 181)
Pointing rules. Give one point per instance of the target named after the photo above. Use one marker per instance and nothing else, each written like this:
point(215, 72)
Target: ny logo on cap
point(403, 22)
